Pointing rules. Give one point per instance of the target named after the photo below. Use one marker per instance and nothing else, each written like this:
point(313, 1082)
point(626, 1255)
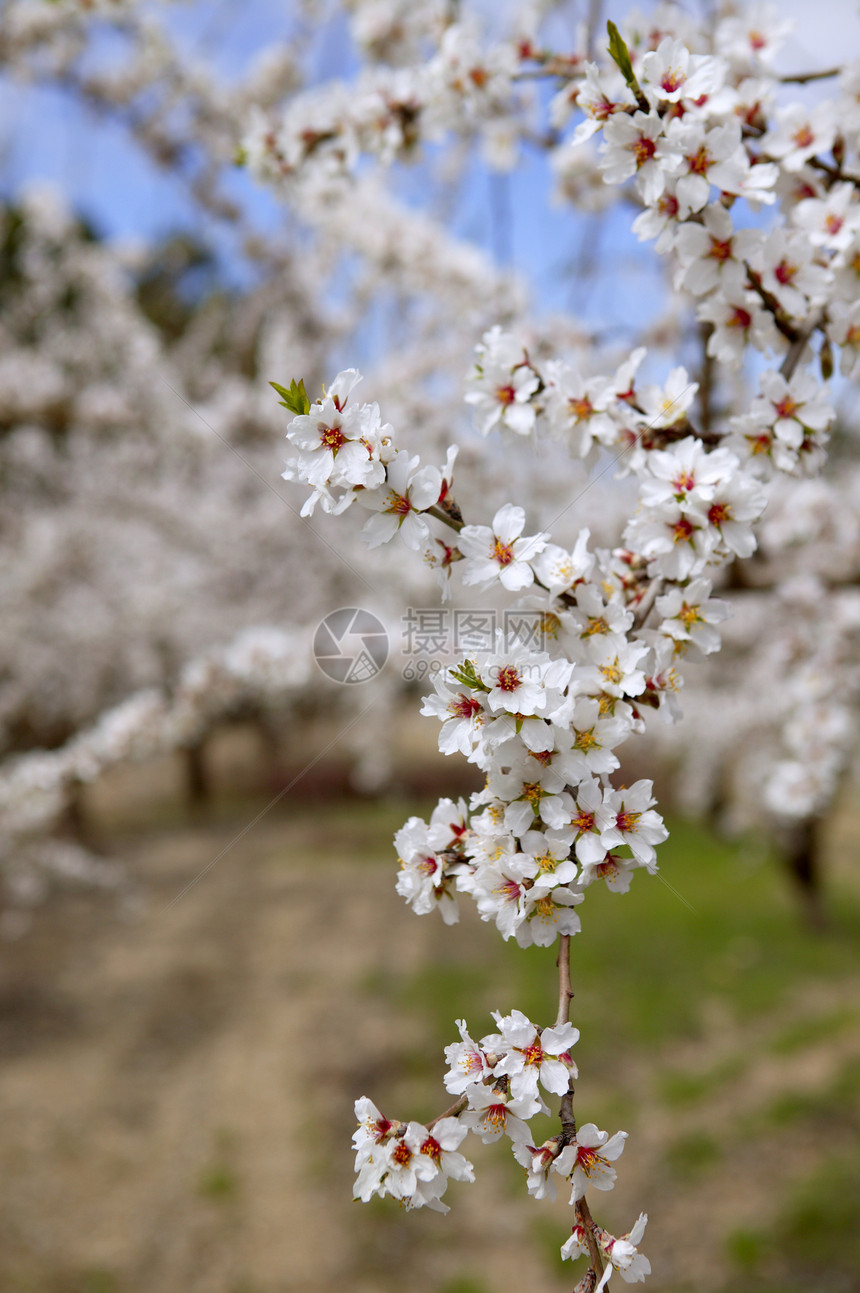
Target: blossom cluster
point(501, 1082)
point(752, 201)
point(544, 723)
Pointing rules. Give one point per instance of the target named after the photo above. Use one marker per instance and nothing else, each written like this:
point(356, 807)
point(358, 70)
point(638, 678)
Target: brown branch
point(585, 1219)
point(706, 376)
point(456, 1108)
point(803, 78)
point(565, 991)
point(835, 172)
point(442, 515)
point(798, 346)
point(771, 304)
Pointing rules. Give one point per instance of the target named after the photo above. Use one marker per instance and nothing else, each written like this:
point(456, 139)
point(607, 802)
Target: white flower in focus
point(340, 448)
point(548, 913)
point(671, 72)
point(530, 1055)
point(423, 879)
point(594, 738)
point(463, 713)
point(689, 614)
point(662, 218)
point(635, 824)
point(592, 616)
point(559, 570)
point(601, 94)
point(711, 254)
point(409, 490)
point(494, 1113)
point(467, 1063)
point(587, 1160)
point(624, 1256)
point(637, 146)
point(539, 1162)
point(589, 820)
point(499, 889)
point(707, 157)
point(499, 552)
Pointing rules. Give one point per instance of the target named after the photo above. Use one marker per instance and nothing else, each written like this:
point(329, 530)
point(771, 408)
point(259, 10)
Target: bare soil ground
point(178, 1076)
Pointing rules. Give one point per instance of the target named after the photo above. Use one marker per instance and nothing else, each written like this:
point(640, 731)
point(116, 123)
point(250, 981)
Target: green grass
point(651, 957)
point(464, 1284)
point(721, 939)
point(218, 1182)
point(814, 1243)
point(803, 1033)
point(834, 1106)
point(679, 1088)
point(692, 1154)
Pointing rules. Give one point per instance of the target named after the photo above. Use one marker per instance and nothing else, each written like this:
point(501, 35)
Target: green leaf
point(620, 55)
point(619, 52)
point(295, 399)
point(467, 675)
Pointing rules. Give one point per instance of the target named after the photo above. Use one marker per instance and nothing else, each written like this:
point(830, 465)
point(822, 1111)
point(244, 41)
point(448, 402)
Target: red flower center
point(643, 150)
point(508, 678)
point(331, 437)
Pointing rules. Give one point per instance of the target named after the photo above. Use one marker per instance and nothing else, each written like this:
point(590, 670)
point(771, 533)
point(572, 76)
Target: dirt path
point(177, 1086)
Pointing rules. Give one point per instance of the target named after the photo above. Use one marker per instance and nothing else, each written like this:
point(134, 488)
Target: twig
point(803, 78)
point(771, 304)
point(583, 1213)
point(442, 515)
point(798, 346)
point(706, 376)
point(565, 991)
point(649, 597)
point(456, 1108)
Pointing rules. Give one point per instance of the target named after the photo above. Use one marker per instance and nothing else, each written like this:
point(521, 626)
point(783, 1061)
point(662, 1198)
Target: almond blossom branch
point(565, 991)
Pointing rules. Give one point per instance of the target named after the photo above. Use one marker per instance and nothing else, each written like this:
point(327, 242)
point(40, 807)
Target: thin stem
point(649, 597)
point(583, 1213)
point(565, 991)
point(595, 9)
point(771, 304)
point(803, 78)
point(798, 346)
point(456, 1108)
point(834, 172)
point(442, 515)
point(706, 376)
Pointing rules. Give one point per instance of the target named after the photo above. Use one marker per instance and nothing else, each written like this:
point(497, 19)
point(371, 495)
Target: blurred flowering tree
point(706, 387)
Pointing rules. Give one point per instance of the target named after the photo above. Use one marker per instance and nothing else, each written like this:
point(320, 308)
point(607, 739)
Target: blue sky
point(47, 134)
